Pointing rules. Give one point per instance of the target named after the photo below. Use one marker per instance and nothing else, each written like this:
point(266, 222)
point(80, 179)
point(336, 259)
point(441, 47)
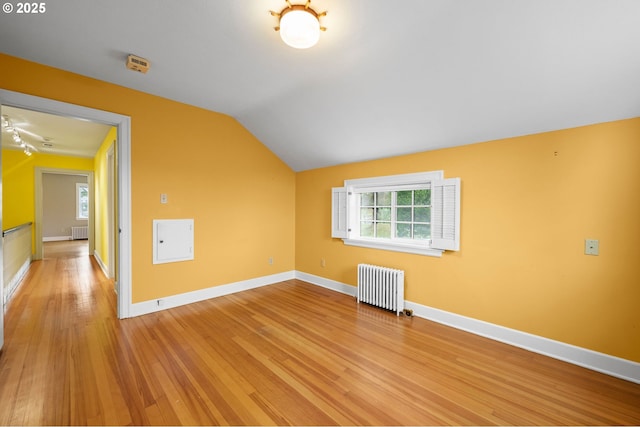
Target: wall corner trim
point(600, 362)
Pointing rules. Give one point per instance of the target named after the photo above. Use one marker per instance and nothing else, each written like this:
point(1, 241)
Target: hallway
point(57, 315)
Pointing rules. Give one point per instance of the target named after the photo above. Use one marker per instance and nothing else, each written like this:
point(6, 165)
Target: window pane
point(383, 230)
point(404, 198)
point(403, 231)
point(366, 199)
point(403, 214)
point(383, 214)
point(384, 198)
point(421, 231)
point(422, 214)
point(82, 201)
point(411, 214)
point(423, 197)
point(366, 213)
point(366, 229)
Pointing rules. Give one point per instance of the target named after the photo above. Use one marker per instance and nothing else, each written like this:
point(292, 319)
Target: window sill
point(396, 247)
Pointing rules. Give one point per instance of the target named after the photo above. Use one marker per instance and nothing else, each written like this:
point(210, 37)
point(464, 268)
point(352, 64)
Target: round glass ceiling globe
point(299, 29)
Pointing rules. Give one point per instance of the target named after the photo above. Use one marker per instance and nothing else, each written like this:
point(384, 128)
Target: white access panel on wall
point(172, 240)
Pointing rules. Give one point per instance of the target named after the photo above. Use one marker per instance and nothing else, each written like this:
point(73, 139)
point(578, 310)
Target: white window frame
point(80, 185)
point(445, 212)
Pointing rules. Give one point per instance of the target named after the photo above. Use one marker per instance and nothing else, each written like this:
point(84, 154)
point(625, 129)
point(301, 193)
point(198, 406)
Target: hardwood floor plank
point(285, 354)
point(220, 375)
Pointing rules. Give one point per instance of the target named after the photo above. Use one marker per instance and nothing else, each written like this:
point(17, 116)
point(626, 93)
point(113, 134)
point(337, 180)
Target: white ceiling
point(386, 78)
point(51, 134)
point(48, 133)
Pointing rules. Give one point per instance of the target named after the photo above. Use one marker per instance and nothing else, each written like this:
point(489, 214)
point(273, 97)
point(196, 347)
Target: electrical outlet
point(270, 260)
point(163, 198)
point(323, 263)
point(591, 247)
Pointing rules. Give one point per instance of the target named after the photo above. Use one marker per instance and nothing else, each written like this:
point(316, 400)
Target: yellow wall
point(18, 179)
point(101, 197)
point(528, 203)
point(525, 214)
point(239, 193)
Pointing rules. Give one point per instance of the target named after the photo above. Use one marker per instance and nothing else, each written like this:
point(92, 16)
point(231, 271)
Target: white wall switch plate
point(591, 247)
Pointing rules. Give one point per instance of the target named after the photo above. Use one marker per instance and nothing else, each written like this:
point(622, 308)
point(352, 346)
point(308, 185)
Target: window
point(82, 200)
point(402, 215)
point(416, 213)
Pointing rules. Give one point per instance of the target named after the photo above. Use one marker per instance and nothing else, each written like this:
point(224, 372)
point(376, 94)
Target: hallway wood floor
point(289, 353)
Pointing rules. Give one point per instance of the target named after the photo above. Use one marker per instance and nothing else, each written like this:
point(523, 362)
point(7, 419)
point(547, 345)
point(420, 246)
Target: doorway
point(63, 219)
point(122, 190)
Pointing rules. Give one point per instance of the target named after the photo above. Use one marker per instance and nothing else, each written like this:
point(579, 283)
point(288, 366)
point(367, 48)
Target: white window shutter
point(339, 218)
point(445, 214)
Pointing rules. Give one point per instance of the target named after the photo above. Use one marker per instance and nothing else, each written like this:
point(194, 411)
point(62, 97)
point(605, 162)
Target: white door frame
point(123, 124)
point(110, 216)
point(1, 256)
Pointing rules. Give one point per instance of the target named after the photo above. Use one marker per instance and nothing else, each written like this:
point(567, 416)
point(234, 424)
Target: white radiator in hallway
point(381, 286)
point(79, 233)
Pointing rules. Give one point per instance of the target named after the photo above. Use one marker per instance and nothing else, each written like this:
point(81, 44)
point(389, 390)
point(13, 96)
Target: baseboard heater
point(381, 286)
point(79, 233)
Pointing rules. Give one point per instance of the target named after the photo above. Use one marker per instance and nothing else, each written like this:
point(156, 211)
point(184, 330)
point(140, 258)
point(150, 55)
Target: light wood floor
point(66, 249)
point(290, 353)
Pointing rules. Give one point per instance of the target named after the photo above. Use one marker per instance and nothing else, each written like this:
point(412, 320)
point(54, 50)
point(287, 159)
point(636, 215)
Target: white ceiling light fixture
point(299, 25)
point(6, 124)
point(18, 139)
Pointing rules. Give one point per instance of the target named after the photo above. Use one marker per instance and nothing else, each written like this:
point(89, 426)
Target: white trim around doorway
point(123, 124)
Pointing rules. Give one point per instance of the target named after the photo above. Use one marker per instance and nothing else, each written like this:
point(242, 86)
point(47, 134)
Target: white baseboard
point(56, 238)
point(14, 282)
point(102, 265)
point(326, 283)
point(600, 362)
point(172, 301)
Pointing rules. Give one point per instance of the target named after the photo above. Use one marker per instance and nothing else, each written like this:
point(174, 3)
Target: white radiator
point(79, 233)
point(381, 286)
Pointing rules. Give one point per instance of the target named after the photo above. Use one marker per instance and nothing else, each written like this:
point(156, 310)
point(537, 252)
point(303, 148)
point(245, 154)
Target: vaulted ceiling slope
point(387, 78)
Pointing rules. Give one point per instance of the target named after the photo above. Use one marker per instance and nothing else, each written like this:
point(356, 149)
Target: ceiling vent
point(137, 63)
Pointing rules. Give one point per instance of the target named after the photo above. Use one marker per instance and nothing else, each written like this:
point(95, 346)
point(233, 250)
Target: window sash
point(393, 221)
point(82, 201)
